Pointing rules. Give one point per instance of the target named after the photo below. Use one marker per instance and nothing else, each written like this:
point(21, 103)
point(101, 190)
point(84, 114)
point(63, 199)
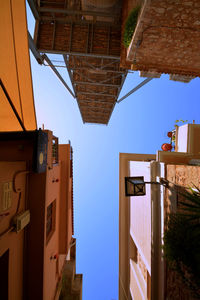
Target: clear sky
point(139, 124)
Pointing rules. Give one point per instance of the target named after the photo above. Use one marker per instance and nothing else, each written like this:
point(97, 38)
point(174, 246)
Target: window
point(50, 220)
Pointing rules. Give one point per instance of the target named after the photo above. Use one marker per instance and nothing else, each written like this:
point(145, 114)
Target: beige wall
point(125, 249)
point(176, 157)
point(15, 67)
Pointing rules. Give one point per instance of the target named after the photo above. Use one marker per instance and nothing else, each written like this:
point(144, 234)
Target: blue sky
point(139, 124)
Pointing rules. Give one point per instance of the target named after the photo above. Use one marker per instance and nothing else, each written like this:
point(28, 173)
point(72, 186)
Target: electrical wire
point(18, 202)
point(18, 191)
point(71, 245)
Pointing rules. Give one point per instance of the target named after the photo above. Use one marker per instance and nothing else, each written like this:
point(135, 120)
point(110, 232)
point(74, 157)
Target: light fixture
point(135, 186)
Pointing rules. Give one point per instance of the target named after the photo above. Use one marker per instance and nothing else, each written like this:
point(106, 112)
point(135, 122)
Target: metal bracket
point(135, 89)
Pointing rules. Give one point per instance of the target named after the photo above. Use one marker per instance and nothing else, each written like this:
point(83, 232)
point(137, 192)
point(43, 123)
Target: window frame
point(50, 218)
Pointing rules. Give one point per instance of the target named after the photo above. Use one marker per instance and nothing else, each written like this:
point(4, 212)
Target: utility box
point(21, 220)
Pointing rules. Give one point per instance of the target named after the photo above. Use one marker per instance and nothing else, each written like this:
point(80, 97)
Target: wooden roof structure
point(90, 43)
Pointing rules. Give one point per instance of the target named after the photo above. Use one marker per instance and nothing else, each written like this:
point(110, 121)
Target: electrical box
point(6, 196)
point(21, 220)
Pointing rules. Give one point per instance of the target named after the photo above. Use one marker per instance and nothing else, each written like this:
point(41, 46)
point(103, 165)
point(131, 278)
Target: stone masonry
point(184, 176)
point(167, 39)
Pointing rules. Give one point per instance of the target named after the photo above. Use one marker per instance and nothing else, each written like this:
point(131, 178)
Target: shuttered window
point(50, 220)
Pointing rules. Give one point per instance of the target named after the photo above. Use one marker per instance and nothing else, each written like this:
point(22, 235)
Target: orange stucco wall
point(40, 258)
point(45, 189)
point(51, 267)
point(65, 199)
point(15, 67)
point(14, 242)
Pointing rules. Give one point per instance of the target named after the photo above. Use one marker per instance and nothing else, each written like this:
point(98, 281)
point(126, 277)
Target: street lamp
point(135, 186)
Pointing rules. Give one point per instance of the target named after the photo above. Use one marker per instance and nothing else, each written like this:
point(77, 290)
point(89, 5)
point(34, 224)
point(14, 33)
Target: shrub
point(130, 25)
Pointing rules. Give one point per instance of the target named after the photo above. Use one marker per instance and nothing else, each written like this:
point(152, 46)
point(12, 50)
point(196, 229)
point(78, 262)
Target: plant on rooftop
point(130, 25)
point(181, 121)
point(182, 240)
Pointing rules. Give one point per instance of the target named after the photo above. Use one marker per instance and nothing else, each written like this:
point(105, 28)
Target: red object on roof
point(166, 147)
point(169, 134)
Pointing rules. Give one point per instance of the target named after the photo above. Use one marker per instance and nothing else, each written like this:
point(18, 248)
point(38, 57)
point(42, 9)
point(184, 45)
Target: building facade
point(36, 215)
point(166, 39)
point(36, 181)
point(143, 272)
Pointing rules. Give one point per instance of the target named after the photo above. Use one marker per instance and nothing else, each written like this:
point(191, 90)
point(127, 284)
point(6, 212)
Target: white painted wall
point(140, 214)
point(182, 138)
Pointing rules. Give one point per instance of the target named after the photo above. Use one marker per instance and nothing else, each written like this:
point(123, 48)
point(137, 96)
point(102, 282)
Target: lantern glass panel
point(140, 189)
point(130, 188)
point(135, 186)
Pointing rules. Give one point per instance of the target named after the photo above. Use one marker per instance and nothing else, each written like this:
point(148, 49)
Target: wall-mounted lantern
point(135, 186)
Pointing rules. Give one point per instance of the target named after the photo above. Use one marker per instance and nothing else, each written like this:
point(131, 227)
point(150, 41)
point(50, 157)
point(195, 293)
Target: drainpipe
point(157, 229)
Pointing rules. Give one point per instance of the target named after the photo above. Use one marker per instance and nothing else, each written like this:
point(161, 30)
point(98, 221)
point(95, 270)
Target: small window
point(54, 150)
point(50, 220)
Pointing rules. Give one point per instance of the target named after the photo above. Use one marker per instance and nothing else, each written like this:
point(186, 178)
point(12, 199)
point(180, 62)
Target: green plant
point(182, 240)
point(173, 138)
point(181, 121)
point(130, 25)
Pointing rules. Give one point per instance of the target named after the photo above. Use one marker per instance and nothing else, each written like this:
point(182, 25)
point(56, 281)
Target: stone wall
point(167, 38)
point(185, 176)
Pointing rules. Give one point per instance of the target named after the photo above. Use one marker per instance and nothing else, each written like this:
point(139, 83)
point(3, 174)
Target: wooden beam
point(70, 39)
point(104, 71)
point(93, 108)
point(95, 113)
point(96, 83)
point(76, 12)
point(96, 101)
point(96, 94)
point(54, 32)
